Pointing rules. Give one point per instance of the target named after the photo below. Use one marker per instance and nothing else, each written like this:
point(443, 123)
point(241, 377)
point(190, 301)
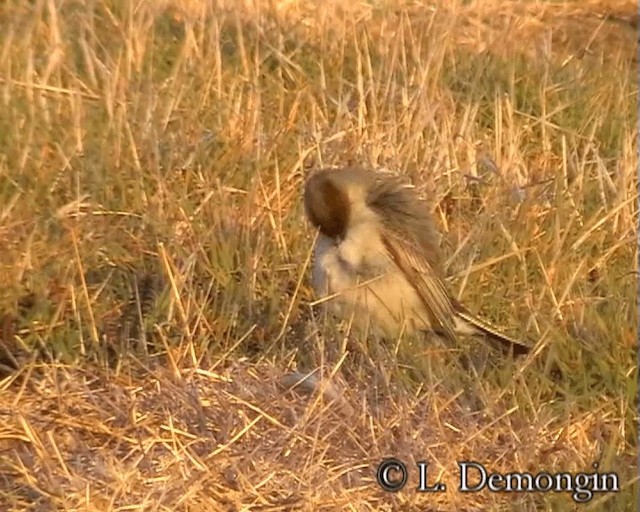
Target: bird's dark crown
point(327, 205)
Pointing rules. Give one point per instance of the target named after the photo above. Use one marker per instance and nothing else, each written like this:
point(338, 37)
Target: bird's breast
point(364, 284)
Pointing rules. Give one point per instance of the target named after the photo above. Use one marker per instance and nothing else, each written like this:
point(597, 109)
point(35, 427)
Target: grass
point(154, 274)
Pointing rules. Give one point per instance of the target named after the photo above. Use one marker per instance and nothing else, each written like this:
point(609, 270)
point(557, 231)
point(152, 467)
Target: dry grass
point(153, 285)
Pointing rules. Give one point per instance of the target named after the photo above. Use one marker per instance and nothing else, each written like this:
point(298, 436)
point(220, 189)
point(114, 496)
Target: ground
point(154, 278)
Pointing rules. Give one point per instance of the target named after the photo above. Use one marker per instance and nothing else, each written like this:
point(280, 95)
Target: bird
point(377, 258)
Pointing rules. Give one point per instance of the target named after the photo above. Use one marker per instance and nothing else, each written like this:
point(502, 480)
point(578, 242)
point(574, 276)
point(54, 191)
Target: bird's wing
point(507, 343)
point(424, 279)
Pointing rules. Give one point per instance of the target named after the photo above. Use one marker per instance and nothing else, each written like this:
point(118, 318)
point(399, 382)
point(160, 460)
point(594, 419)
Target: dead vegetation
point(153, 278)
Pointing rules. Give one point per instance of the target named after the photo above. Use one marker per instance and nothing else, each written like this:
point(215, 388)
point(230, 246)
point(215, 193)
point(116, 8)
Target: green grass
point(151, 169)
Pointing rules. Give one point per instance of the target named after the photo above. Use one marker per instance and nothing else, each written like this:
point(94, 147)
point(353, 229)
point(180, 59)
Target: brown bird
point(377, 257)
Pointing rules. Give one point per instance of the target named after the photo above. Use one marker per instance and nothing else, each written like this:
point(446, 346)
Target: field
point(155, 299)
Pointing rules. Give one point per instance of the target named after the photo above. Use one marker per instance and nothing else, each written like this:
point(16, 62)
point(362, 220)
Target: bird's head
point(331, 196)
point(338, 199)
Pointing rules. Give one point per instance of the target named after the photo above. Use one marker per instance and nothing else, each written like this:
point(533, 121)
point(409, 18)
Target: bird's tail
point(475, 326)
